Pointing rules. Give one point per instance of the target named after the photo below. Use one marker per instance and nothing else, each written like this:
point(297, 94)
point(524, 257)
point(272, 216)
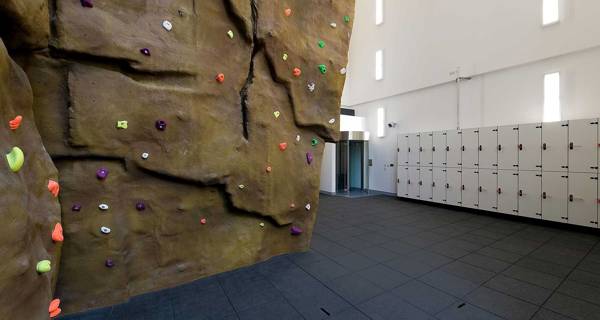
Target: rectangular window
point(379, 65)
point(378, 12)
point(552, 97)
point(550, 12)
point(380, 122)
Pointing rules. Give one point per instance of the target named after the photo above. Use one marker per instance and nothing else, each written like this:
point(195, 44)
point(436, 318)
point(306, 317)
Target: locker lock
point(480, 189)
point(571, 198)
point(447, 148)
point(520, 193)
point(499, 190)
point(544, 196)
point(463, 187)
point(420, 149)
point(420, 183)
point(499, 147)
point(463, 148)
point(408, 181)
point(433, 184)
point(571, 145)
point(520, 146)
point(480, 147)
point(448, 187)
point(544, 146)
point(408, 149)
point(433, 149)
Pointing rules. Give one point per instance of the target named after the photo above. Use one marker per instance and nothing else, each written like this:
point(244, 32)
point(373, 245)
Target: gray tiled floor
point(384, 258)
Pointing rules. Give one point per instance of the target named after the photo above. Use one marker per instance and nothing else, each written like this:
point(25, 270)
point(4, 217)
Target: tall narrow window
point(550, 12)
point(379, 65)
point(378, 12)
point(380, 122)
point(552, 97)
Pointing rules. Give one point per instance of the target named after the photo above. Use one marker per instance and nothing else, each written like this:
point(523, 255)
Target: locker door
point(488, 185)
point(583, 199)
point(508, 140)
point(470, 188)
point(530, 191)
point(583, 146)
point(453, 149)
point(555, 141)
point(402, 182)
point(508, 185)
point(554, 196)
point(439, 185)
point(402, 150)
point(470, 148)
point(413, 149)
point(426, 184)
point(426, 149)
point(488, 150)
point(530, 146)
point(439, 149)
point(453, 186)
point(413, 182)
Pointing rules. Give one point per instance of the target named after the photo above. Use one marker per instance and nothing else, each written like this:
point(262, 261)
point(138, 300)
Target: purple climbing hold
point(295, 231)
point(161, 125)
point(87, 3)
point(102, 173)
point(140, 206)
point(76, 207)
point(309, 157)
point(145, 51)
point(109, 263)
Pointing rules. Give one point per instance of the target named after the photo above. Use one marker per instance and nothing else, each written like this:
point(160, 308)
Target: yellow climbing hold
point(276, 114)
point(15, 159)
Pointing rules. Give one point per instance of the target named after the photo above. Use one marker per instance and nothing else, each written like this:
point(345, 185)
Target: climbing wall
point(188, 134)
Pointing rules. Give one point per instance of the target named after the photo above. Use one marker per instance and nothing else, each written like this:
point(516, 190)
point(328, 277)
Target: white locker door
point(453, 149)
point(453, 186)
point(583, 199)
point(403, 150)
point(583, 146)
point(439, 149)
point(488, 148)
point(508, 185)
point(413, 182)
point(470, 148)
point(426, 184)
point(439, 185)
point(508, 141)
point(555, 141)
point(488, 185)
point(470, 188)
point(554, 196)
point(413, 149)
point(530, 146)
point(402, 182)
point(426, 149)
point(530, 194)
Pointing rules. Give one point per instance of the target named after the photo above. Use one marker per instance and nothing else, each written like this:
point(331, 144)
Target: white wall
point(328, 168)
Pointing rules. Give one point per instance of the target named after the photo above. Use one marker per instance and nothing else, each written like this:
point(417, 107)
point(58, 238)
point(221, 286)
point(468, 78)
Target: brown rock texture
point(234, 154)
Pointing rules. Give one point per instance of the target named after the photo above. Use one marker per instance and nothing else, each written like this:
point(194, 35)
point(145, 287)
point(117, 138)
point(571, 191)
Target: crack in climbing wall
point(255, 49)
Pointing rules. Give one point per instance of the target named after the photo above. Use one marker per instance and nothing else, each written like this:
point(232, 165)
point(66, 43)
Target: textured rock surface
point(24, 24)
point(219, 157)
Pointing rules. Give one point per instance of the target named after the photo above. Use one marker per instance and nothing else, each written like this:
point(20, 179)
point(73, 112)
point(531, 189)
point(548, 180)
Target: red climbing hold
point(15, 123)
point(283, 146)
point(53, 187)
point(54, 308)
point(57, 233)
point(287, 12)
point(87, 3)
point(203, 221)
point(297, 72)
point(220, 78)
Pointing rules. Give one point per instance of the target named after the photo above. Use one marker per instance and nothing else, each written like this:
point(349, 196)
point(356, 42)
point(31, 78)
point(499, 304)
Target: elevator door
point(352, 165)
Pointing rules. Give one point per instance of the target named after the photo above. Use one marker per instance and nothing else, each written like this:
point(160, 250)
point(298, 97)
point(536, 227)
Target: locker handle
point(544, 196)
point(480, 189)
point(463, 187)
point(520, 193)
point(408, 181)
point(420, 149)
point(463, 148)
point(408, 149)
point(448, 187)
point(420, 183)
point(499, 190)
point(499, 147)
point(480, 148)
point(447, 148)
point(571, 145)
point(433, 149)
point(520, 146)
point(571, 198)
point(433, 184)
point(544, 146)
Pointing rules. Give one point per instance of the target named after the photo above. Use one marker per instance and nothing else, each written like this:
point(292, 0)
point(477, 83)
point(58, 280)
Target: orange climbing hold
point(283, 146)
point(220, 78)
point(287, 12)
point(54, 308)
point(57, 233)
point(297, 72)
point(15, 123)
point(53, 187)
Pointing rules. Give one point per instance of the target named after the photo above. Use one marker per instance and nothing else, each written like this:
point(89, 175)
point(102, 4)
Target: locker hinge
point(444, 134)
point(594, 178)
point(515, 210)
point(459, 202)
point(460, 132)
point(564, 167)
point(516, 129)
point(596, 122)
point(594, 168)
point(398, 180)
point(538, 214)
point(398, 149)
point(564, 125)
point(494, 130)
point(494, 172)
point(538, 127)
point(565, 218)
point(515, 174)
point(476, 205)
point(566, 177)
point(476, 131)
point(431, 134)
point(594, 222)
point(538, 175)
point(538, 166)
point(495, 208)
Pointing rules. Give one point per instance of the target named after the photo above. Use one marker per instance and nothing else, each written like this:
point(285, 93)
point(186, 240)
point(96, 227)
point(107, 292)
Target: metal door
point(426, 184)
point(583, 199)
point(554, 196)
point(413, 149)
point(413, 182)
point(488, 148)
point(453, 149)
point(439, 185)
point(470, 148)
point(403, 150)
point(402, 182)
point(453, 186)
point(530, 146)
point(530, 190)
point(583, 146)
point(426, 149)
point(508, 185)
point(470, 188)
point(488, 186)
point(555, 142)
point(508, 141)
point(439, 149)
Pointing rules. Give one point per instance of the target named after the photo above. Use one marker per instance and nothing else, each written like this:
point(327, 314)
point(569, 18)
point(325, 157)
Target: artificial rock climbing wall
point(188, 134)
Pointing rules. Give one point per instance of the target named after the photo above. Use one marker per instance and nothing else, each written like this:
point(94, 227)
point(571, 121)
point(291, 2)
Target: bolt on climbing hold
point(307, 207)
point(297, 138)
point(76, 207)
point(296, 72)
point(105, 230)
point(343, 71)
point(321, 44)
point(241, 186)
point(15, 123)
point(309, 157)
point(103, 206)
point(276, 114)
point(140, 206)
point(54, 308)
point(333, 25)
point(346, 19)
point(145, 155)
point(53, 187)
point(230, 34)
point(167, 25)
point(87, 3)
point(220, 78)
point(145, 51)
point(122, 124)
point(295, 231)
point(323, 68)
point(160, 125)
point(314, 142)
point(57, 233)
point(43, 266)
point(203, 221)
point(283, 146)
point(262, 224)
point(109, 263)
point(15, 159)
point(287, 12)
point(311, 86)
point(102, 173)
point(269, 169)
point(284, 57)
point(332, 121)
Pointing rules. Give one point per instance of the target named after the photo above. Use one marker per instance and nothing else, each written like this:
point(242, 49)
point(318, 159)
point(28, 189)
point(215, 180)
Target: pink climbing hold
point(283, 146)
point(295, 231)
point(203, 221)
point(87, 3)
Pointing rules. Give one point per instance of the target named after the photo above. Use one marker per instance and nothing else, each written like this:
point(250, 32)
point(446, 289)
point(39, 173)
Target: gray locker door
point(488, 148)
point(439, 149)
point(530, 194)
point(403, 150)
point(470, 188)
point(554, 196)
point(488, 185)
point(426, 184)
point(508, 185)
point(413, 182)
point(583, 199)
point(453, 186)
point(508, 141)
point(583, 146)
point(426, 157)
point(439, 185)
point(402, 190)
point(530, 146)
point(413, 149)
point(470, 148)
point(555, 142)
point(453, 150)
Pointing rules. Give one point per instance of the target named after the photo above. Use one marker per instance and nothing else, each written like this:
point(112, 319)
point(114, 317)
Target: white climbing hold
point(241, 186)
point(276, 114)
point(332, 121)
point(230, 34)
point(105, 230)
point(333, 25)
point(307, 207)
point(343, 70)
point(103, 206)
point(284, 57)
point(297, 138)
point(262, 224)
point(145, 155)
point(311, 86)
point(167, 25)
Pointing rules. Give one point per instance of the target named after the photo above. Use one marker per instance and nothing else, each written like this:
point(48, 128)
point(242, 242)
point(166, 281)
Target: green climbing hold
point(15, 159)
point(346, 19)
point(314, 142)
point(323, 68)
point(43, 266)
point(321, 44)
point(122, 124)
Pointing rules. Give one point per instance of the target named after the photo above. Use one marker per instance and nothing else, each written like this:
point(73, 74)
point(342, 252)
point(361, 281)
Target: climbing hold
point(43, 266)
point(311, 86)
point(220, 78)
point(160, 125)
point(241, 186)
point(87, 3)
point(332, 121)
point(292, 205)
point(15, 123)
point(167, 25)
point(323, 68)
point(298, 138)
point(283, 146)
point(230, 34)
point(54, 308)
point(145, 155)
point(145, 51)
point(321, 44)
point(103, 207)
point(53, 187)
point(284, 57)
point(296, 72)
point(307, 207)
point(140, 206)
point(295, 231)
point(105, 230)
point(122, 124)
point(109, 263)
point(314, 142)
point(203, 221)
point(346, 19)
point(276, 114)
point(101, 173)
point(269, 169)
point(287, 12)
point(262, 224)
point(309, 157)
point(76, 207)
point(333, 25)
point(343, 71)
point(15, 159)
point(181, 12)
point(57, 233)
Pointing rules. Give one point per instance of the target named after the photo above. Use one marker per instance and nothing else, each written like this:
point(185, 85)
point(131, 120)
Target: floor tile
point(465, 311)
point(383, 276)
point(326, 270)
point(275, 310)
point(540, 279)
point(449, 283)
point(468, 272)
point(572, 307)
point(378, 253)
point(580, 291)
point(519, 289)
point(354, 261)
point(353, 288)
point(545, 314)
point(388, 306)
point(424, 296)
point(501, 304)
point(485, 262)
